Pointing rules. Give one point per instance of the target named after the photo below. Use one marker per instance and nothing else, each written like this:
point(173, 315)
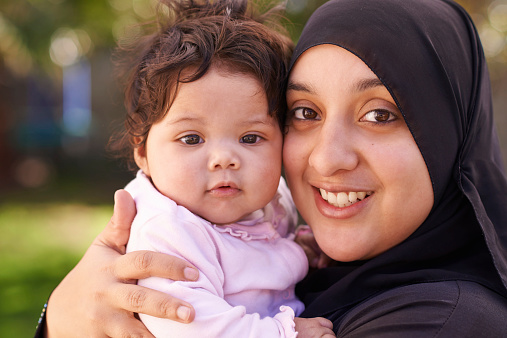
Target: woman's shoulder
point(436, 309)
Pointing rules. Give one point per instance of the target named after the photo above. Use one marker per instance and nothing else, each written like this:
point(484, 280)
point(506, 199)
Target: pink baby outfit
point(247, 270)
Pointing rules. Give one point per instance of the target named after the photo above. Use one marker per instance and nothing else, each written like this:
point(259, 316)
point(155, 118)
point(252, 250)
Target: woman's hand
point(99, 296)
point(316, 257)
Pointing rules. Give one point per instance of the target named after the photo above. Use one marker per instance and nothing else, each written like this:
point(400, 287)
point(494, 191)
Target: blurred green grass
point(39, 244)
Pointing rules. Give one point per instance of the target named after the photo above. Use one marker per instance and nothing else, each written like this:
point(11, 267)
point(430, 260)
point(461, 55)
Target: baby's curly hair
point(192, 36)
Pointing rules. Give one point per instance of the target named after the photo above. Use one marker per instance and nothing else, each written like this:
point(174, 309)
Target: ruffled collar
point(262, 224)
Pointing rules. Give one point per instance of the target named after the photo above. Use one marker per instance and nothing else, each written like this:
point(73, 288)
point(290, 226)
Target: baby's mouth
point(224, 189)
point(344, 199)
point(225, 185)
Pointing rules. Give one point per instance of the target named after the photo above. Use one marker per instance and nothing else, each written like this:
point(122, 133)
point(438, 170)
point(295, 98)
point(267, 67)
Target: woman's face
point(354, 169)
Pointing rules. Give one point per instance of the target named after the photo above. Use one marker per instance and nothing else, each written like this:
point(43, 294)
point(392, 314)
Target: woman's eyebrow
point(300, 87)
point(361, 85)
point(366, 84)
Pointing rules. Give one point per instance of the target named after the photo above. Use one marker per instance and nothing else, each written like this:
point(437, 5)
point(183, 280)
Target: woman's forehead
point(332, 66)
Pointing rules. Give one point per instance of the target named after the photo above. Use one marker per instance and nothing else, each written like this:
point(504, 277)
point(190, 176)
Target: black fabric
point(428, 55)
point(439, 309)
point(41, 324)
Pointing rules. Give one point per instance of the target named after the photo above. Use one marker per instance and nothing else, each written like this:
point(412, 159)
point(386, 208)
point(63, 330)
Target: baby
point(205, 117)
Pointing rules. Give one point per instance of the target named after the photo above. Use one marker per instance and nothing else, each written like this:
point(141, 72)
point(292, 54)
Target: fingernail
point(191, 273)
point(183, 313)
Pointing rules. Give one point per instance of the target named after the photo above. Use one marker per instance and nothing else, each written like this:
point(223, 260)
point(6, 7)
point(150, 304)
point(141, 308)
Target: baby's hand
point(314, 327)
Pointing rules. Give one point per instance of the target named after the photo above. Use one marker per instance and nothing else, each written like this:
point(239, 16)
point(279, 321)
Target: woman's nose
point(334, 151)
point(223, 157)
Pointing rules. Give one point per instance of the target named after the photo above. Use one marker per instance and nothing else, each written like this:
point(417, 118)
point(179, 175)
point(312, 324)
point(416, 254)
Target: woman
point(392, 158)
point(418, 261)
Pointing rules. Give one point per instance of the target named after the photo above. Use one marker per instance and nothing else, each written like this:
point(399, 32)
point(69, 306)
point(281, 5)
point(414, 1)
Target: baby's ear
point(141, 158)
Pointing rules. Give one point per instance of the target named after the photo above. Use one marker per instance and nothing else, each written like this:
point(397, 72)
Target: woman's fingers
point(131, 328)
point(98, 297)
point(125, 326)
point(117, 232)
point(143, 264)
point(139, 299)
point(324, 261)
point(306, 239)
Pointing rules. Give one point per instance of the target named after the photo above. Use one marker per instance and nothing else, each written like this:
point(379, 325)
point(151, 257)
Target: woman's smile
point(334, 210)
point(343, 199)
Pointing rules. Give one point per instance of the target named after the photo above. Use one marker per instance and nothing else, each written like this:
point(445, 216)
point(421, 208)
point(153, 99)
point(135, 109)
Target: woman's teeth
point(343, 199)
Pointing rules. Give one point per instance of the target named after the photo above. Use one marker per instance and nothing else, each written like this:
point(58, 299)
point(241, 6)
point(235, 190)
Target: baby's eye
point(250, 138)
point(379, 116)
point(191, 139)
point(304, 113)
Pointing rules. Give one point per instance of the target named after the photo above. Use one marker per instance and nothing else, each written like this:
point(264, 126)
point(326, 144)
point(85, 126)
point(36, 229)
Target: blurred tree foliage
point(27, 27)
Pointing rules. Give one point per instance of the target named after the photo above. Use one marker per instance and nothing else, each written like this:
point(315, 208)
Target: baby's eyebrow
point(183, 119)
point(254, 122)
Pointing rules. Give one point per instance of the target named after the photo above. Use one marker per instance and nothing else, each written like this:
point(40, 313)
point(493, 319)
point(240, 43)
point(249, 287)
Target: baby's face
point(217, 152)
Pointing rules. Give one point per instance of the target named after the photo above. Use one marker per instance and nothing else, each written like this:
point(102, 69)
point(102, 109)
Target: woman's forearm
point(99, 296)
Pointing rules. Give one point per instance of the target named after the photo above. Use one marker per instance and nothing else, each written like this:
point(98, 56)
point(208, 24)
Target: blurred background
point(59, 102)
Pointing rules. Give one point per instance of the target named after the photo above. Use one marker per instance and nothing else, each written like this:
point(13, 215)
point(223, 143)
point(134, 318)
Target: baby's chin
point(221, 220)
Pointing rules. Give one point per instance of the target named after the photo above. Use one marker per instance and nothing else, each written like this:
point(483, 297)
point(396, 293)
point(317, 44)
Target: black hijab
point(428, 55)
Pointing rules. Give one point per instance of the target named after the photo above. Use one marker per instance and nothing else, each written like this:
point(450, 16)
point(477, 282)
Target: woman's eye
point(379, 116)
point(304, 113)
point(191, 139)
point(251, 139)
